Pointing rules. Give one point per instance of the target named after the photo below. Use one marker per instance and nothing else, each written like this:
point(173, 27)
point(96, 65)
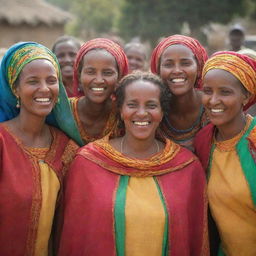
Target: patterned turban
point(240, 66)
point(108, 45)
point(26, 54)
point(197, 49)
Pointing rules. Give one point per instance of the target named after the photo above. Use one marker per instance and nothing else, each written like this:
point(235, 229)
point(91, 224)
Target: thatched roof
point(31, 12)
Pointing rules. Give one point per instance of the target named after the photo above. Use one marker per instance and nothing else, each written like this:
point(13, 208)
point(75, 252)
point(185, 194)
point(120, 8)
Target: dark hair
point(144, 76)
point(66, 38)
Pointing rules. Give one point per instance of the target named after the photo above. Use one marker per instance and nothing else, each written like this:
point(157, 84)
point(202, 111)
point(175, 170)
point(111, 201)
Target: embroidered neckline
point(229, 145)
point(108, 126)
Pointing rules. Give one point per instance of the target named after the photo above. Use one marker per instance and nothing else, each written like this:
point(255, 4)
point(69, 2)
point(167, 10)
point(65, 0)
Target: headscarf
point(11, 66)
point(108, 45)
point(197, 49)
point(240, 66)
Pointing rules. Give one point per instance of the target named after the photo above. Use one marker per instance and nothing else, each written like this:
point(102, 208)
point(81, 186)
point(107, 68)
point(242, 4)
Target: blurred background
point(146, 21)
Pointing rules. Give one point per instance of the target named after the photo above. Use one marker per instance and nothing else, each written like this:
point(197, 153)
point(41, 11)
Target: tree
point(152, 19)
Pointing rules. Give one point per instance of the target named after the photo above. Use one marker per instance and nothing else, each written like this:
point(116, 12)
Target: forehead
point(221, 77)
point(142, 89)
point(177, 50)
point(135, 51)
point(99, 56)
point(37, 66)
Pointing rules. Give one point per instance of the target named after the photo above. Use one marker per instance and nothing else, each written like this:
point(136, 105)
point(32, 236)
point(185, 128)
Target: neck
point(231, 130)
point(99, 109)
point(68, 83)
point(186, 103)
point(139, 148)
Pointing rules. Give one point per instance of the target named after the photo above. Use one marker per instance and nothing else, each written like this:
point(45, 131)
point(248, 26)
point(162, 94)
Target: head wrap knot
point(240, 66)
point(197, 49)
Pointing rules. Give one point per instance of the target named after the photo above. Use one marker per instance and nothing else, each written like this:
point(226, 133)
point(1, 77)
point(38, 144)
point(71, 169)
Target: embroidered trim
point(109, 126)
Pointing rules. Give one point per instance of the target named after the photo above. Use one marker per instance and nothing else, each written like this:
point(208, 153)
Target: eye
point(131, 105)
point(89, 71)
point(167, 65)
point(207, 91)
point(52, 80)
point(152, 106)
point(32, 82)
point(108, 72)
point(225, 92)
point(186, 63)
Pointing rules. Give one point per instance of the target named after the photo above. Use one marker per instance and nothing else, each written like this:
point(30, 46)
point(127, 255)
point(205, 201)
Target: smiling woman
point(99, 65)
point(179, 60)
point(135, 194)
point(34, 155)
point(227, 149)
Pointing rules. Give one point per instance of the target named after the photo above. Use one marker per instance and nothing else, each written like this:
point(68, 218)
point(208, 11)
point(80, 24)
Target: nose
point(214, 99)
point(141, 112)
point(99, 78)
point(44, 86)
point(176, 68)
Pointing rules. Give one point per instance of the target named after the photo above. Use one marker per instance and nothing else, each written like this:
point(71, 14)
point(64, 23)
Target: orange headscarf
point(197, 49)
point(108, 45)
point(240, 66)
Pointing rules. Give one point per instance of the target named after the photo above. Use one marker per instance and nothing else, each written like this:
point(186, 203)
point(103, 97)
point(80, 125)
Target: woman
point(227, 149)
point(179, 60)
point(34, 156)
point(135, 195)
point(99, 65)
point(137, 56)
point(65, 48)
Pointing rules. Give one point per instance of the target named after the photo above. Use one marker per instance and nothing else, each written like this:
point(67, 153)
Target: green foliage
point(152, 19)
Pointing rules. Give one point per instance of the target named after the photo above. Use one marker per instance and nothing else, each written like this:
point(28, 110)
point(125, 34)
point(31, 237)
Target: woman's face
point(99, 75)
point(66, 54)
point(38, 88)
point(141, 110)
point(178, 69)
point(223, 98)
point(136, 59)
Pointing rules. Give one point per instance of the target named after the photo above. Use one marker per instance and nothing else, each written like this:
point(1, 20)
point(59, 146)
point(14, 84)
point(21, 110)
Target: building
point(30, 20)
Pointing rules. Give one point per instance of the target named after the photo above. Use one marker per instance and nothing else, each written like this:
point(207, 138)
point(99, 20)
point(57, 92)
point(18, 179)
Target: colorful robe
point(231, 169)
point(101, 205)
point(29, 189)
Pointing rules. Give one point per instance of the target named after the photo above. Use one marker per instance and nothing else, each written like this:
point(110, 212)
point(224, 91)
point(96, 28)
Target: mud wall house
point(30, 20)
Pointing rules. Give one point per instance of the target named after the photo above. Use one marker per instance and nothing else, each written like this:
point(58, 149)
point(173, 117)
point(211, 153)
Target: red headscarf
point(240, 66)
point(197, 49)
point(108, 45)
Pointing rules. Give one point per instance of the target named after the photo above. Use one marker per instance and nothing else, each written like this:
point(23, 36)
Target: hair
point(148, 77)
point(136, 45)
point(66, 38)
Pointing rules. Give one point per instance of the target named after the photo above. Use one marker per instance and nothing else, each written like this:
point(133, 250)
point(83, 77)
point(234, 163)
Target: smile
point(42, 100)
point(141, 123)
point(178, 80)
point(97, 89)
point(217, 110)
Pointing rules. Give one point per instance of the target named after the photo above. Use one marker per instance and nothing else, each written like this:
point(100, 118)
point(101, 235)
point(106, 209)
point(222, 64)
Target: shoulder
point(252, 142)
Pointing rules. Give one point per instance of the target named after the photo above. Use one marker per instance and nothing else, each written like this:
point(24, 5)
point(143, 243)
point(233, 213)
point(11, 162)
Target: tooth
point(42, 99)
point(141, 123)
point(177, 80)
point(97, 89)
point(217, 110)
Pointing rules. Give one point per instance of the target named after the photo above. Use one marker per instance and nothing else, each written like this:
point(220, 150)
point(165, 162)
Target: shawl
point(94, 180)
point(193, 44)
point(21, 192)
point(240, 66)
point(106, 44)
point(12, 64)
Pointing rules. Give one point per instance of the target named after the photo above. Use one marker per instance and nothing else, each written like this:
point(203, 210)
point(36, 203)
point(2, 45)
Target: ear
point(246, 98)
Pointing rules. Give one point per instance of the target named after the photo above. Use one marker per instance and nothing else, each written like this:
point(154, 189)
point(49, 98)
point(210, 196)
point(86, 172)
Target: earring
point(18, 103)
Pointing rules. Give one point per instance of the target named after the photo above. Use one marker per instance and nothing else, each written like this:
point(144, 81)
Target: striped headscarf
point(108, 45)
point(240, 66)
point(13, 62)
point(197, 49)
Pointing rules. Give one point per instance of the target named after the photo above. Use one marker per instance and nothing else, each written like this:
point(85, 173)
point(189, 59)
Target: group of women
point(153, 147)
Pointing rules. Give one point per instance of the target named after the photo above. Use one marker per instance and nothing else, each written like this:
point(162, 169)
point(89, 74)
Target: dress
point(115, 205)
point(184, 137)
point(110, 127)
point(31, 181)
point(231, 168)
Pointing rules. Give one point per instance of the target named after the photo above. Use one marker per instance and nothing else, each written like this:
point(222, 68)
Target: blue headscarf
point(11, 65)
